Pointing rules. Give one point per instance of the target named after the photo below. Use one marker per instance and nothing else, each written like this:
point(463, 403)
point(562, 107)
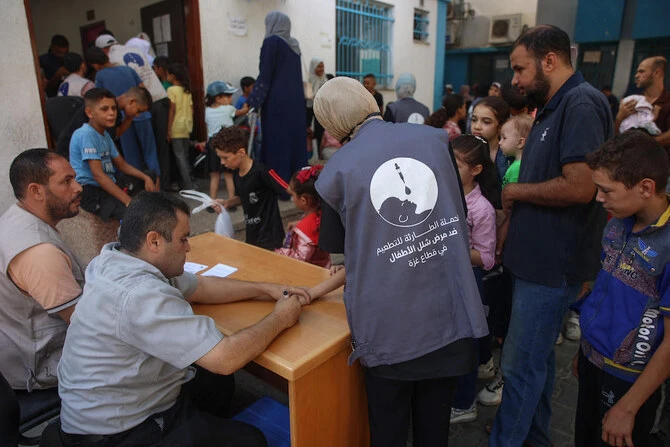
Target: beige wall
point(66, 16)
point(21, 125)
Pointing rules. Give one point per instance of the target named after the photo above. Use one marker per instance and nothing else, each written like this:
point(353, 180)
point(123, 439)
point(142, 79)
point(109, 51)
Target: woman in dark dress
point(279, 94)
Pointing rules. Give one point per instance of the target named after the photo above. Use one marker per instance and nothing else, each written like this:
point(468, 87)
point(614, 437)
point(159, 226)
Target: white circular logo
point(403, 191)
point(416, 118)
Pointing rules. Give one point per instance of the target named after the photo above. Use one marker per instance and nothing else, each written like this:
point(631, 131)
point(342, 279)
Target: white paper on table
point(220, 270)
point(193, 267)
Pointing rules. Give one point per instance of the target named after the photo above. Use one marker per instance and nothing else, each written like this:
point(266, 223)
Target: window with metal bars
point(364, 36)
point(421, 25)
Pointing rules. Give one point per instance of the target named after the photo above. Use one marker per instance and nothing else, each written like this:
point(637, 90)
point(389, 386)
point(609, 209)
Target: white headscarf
point(405, 86)
point(315, 81)
point(278, 24)
point(342, 105)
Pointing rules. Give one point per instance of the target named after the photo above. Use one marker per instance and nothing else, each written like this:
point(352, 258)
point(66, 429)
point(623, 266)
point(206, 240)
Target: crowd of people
point(492, 220)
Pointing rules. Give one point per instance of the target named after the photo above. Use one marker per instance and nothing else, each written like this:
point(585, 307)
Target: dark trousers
point(391, 403)
point(195, 420)
point(160, 111)
point(598, 392)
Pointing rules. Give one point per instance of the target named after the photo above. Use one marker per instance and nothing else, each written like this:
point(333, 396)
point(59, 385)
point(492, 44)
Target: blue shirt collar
point(572, 82)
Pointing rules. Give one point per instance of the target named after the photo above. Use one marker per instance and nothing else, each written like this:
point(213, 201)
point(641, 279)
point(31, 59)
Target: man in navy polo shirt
point(555, 228)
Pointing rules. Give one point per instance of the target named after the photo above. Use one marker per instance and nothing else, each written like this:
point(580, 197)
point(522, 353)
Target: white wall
point(66, 16)
point(410, 56)
point(528, 8)
point(229, 57)
point(21, 125)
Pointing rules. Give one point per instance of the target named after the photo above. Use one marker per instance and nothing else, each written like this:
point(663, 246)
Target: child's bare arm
point(332, 283)
point(106, 183)
point(171, 114)
point(127, 169)
point(619, 420)
point(243, 111)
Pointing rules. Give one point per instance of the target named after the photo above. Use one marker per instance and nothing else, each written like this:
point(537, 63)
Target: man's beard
point(538, 93)
point(59, 209)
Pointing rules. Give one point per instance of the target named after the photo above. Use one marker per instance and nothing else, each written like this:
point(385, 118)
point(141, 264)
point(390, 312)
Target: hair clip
point(482, 139)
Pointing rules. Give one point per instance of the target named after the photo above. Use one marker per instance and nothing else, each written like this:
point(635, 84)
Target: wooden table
point(327, 401)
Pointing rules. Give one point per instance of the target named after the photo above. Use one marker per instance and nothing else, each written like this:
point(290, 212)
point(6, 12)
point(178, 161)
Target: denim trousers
point(529, 365)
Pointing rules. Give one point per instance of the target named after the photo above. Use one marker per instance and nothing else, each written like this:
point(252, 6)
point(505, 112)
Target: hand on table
point(288, 310)
point(279, 292)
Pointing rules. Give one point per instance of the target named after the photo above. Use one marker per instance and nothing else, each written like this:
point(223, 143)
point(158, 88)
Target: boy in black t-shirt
point(256, 187)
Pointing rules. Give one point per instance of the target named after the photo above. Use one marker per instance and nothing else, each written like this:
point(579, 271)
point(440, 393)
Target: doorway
point(184, 23)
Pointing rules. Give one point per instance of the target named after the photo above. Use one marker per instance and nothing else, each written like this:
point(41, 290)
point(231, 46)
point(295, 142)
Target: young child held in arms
point(480, 186)
point(624, 355)
point(219, 113)
point(257, 189)
point(302, 240)
point(93, 156)
point(180, 119)
point(513, 135)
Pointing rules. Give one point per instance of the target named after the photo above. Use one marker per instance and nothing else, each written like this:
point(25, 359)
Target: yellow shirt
point(183, 117)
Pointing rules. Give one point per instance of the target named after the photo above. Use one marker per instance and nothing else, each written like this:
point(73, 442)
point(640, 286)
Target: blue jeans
point(529, 364)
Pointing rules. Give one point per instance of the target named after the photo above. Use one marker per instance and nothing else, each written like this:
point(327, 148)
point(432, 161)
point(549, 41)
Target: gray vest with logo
point(410, 286)
point(31, 340)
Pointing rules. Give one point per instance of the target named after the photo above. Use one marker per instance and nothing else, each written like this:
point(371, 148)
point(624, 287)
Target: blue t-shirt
point(240, 102)
point(119, 80)
point(87, 144)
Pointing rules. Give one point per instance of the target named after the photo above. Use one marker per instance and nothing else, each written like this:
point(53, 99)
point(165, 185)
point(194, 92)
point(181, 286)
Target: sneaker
point(468, 415)
point(491, 394)
point(572, 330)
point(559, 340)
point(486, 371)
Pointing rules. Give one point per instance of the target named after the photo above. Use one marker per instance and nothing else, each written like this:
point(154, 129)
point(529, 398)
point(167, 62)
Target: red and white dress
point(302, 242)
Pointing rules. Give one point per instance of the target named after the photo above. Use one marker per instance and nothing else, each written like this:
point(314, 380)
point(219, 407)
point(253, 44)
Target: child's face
point(171, 78)
point(369, 84)
point(133, 109)
point(466, 172)
point(246, 90)
point(231, 160)
point(299, 201)
point(160, 72)
point(618, 200)
point(103, 113)
point(484, 123)
point(225, 100)
point(511, 142)
point(494, 90)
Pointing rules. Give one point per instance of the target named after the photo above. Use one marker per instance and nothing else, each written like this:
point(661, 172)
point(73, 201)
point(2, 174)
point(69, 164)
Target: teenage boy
point(256, 188)
point(93, 156)
point(624, 355)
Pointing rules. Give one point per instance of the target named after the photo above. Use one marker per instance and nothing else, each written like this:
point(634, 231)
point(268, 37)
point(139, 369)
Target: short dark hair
point(230, 139)
point(246, 82)
point(141, 95)
point(95, 55)
point(513, 97)
point(543, 39)
point(59, 40)
point(150, 211)
point(95, 95)
point(162, 61)
point(631, 157)
point(658, 63)
point(72, 62)
point(369, 75)
point(31, 166)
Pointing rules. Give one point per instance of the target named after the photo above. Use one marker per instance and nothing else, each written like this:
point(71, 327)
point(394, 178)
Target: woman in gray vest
point(392, 204)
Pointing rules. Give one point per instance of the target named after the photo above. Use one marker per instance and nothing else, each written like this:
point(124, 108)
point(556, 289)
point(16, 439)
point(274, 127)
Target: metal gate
point(364, 36)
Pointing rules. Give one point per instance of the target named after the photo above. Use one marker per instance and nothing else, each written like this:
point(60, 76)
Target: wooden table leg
point(328, 406)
